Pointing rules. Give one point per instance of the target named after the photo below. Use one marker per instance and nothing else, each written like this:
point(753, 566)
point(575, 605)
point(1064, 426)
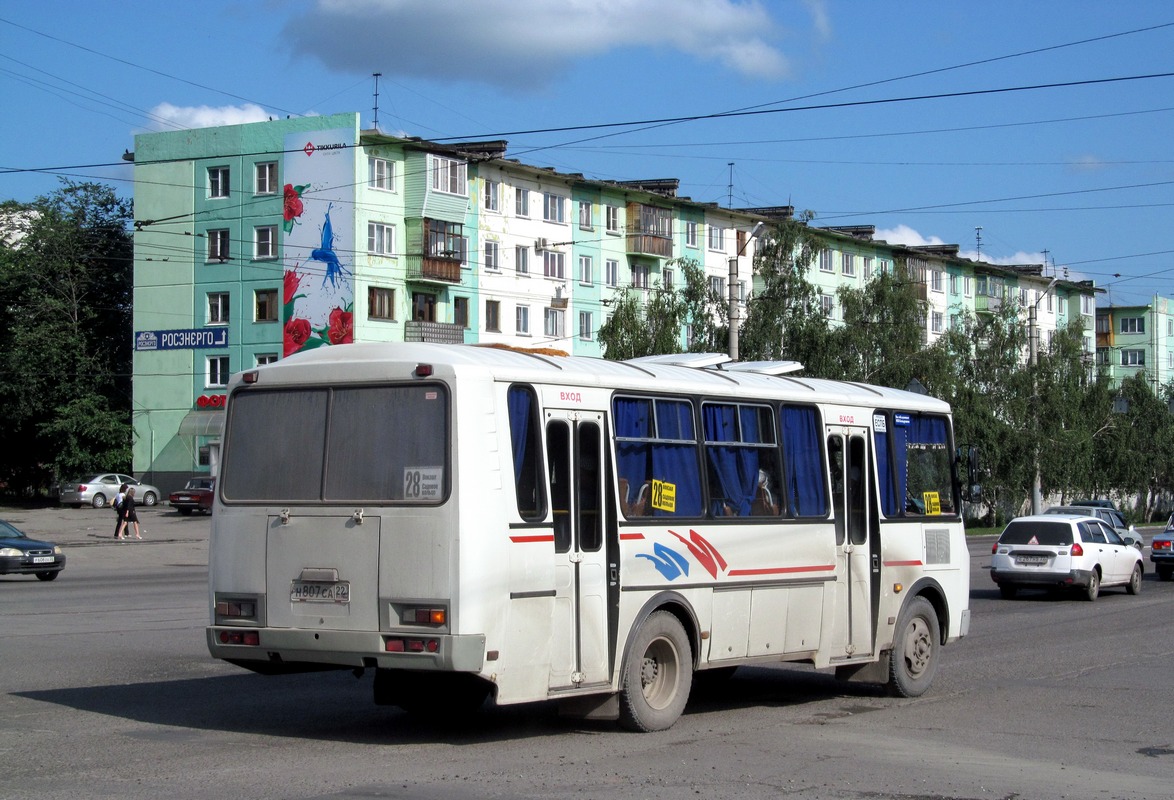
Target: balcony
point(986, 304)
point(433, 332)
point(435, 269)
point(649, 231)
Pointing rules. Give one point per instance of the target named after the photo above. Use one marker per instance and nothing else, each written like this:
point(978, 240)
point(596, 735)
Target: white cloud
point(528, 42)
point(1018, 259)
point(903, 234)
point(167, 116)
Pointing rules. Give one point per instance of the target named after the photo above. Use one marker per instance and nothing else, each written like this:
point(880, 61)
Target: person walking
point(117, 505)
point(129, 516)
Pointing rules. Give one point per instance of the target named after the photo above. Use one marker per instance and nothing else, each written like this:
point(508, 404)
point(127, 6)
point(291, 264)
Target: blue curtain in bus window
point(888, 490)
point(736, 468)
point(675, 463)
point(518, 401)
point(633, 419)
point(806, 490)
point(901, 459)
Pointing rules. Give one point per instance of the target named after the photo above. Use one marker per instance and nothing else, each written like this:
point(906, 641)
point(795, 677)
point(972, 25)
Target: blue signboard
point(181, 340)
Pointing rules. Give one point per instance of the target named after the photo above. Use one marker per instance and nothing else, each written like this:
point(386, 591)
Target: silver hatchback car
point(1064, 551)
point(99, 490)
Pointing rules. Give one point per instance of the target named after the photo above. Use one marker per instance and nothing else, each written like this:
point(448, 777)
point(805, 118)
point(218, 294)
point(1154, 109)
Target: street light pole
point(733, 291)
point(1037, 493)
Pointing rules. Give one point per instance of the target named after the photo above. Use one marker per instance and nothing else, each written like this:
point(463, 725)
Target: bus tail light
point(236, 608)
point(249, 638)
point(423, 615)
point(401, 645)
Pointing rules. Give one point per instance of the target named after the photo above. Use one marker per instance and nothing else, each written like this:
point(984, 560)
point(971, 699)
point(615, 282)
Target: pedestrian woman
point(129, 516)
point(118, 509)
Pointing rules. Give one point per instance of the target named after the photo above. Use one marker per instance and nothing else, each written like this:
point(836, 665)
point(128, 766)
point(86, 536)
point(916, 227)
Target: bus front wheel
point(658, 675)
point(916, 643)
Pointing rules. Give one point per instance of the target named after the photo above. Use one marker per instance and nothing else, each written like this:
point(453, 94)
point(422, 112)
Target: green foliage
point(65, 352)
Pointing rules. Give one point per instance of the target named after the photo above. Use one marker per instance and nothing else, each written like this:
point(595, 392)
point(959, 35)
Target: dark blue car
point(20, 555)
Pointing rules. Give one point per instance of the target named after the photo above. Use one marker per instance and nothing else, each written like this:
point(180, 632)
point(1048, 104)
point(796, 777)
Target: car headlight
point(57, 550)
point(10, 552)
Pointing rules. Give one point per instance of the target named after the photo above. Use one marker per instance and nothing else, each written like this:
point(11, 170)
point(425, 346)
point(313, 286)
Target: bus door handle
point(875, 562)
point(613, 574)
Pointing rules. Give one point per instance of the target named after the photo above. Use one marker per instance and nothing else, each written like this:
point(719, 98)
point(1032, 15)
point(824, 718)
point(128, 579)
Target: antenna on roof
point(730, 187)
point(377, 76)
point(978, 242)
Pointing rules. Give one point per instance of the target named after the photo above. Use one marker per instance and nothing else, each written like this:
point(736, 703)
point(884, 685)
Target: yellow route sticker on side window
point(933, 502)
point(664, 496)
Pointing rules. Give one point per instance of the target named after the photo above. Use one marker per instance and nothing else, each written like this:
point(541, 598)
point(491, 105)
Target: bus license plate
point(320, 592)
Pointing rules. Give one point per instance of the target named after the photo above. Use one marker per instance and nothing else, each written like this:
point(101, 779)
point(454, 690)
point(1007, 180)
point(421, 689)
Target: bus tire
point(657, 676)
point(916, 645)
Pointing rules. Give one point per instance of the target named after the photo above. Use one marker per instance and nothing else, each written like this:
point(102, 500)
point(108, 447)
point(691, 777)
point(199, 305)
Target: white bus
point(466, 520)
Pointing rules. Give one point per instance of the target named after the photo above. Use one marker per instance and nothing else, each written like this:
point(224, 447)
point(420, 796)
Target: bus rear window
point(368, 444)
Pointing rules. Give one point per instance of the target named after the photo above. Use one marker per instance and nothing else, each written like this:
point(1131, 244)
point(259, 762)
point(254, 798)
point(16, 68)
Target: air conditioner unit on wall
point(541, 244)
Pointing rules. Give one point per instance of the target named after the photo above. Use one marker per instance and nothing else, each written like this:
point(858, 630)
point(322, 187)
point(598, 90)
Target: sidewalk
point(86, 526)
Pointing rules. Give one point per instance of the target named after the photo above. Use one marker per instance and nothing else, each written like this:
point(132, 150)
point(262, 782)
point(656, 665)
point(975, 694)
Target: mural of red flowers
point(297, 333)
point(292, 207)
point(341, 330)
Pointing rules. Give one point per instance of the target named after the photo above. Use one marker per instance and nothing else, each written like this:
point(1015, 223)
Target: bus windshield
point(367, 444)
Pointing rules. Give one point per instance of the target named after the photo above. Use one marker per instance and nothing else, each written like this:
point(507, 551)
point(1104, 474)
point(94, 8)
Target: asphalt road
point(108, 691)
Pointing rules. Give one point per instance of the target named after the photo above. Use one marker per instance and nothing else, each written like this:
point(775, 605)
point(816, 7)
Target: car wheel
point(47, 576)
point(1008, 590)
point(916, 642)
point(658, 675)
point(149, 499)
point(1094, 586)
point(99, 501)
point(1165, 573)
point(1134, 585)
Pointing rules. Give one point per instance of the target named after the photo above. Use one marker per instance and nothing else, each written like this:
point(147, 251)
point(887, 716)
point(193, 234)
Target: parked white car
point(1059, 551)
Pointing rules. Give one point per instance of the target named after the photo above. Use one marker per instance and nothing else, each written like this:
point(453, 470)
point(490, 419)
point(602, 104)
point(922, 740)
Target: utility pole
point(733, 290)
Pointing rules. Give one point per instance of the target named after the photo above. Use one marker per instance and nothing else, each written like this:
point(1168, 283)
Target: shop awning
point(202, 423)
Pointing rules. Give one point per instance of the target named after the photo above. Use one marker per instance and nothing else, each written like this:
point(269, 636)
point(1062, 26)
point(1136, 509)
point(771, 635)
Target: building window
point(953, 284)
point(1133, 324)
point(552, 324)
point(492, 315)
point(691, 234)
point(668, 279)
point(380, 303)
point(217, 182)
point(825, 305)
point(640, 276)
point(585, 222)
point(489, 200)
point(1102, 324)
point(261, 359)
point(613, 219)
point(522, 202)
point(266, 177)
point(522, 320)
point(1133, 358)
point(867, 268)
point(522, 260)
point(586, 270)
point(848, 264)
point(936, 322)
point(1102, 356)
point(1023, 298)
point(935, 280)
point(380, 239)
point(218, 245)
point(825, 261)
point(611, 272)
point(445, 239)
point(717, 287)
point(1087, 306)
point(967, 286)
point(460, 311)
point(381, 174)
point(216, 371)
point(449, 175)
point(265, 242)
point(585, 326)
point(554, 208)
point(553, 264)
point(1170, 327)
point(265, 307)
point(492, 256)
point(717, 238)
point(218, 308)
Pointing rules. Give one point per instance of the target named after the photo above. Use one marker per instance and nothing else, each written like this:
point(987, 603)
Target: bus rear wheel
point(657, 676)
point(916, 643)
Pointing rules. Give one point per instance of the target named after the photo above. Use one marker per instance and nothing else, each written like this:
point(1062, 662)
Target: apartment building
point(1136, 339)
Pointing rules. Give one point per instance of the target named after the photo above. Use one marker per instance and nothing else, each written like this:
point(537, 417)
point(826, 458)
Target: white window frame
point(381, 174)
point(1133, 357)
point(935, 281)
point(716, 238)
point(261, 359)
point(1131, 325)
point(612, 216)
point(265, 242)
point(586, 328)
point(265, 177)
point(522, 202)
point(449, 175)
point(522, 260)
point(717, 286)
point(217, 308)
point(266, 300)
point(611, 272)
point(640, 276)
point(490, 194)
point(826, 305)
point(219, 186)
point(553, 323)
point(522, 320)
point(667, 278)
point(554, 264)
point(586, 211)
point(554, 208)
point(848, 264)
point(380, 238)
point(381, 303)
point(219, 245)
point(586, 270)
point(868, 267)
point(691, 234)
point(491, 255)
point(825, 260)
point(216, 371)
point(936, 321)
point(967, 286)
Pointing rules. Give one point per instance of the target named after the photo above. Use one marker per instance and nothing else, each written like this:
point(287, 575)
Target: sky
point(1023, 132)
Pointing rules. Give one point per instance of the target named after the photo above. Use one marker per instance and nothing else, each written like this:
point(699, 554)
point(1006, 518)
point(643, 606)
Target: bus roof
point(372, 361)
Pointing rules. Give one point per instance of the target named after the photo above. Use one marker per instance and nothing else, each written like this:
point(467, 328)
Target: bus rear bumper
point(277, 650)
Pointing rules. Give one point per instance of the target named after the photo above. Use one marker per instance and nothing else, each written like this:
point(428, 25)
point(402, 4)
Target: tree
point(883, 330)
point(65, 355)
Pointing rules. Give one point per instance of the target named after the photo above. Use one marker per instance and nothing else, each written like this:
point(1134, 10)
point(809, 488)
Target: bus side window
point(526, 442)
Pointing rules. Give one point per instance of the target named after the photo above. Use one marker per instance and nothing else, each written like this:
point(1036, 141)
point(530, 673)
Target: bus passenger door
point(849, 465)
point(575, 458)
